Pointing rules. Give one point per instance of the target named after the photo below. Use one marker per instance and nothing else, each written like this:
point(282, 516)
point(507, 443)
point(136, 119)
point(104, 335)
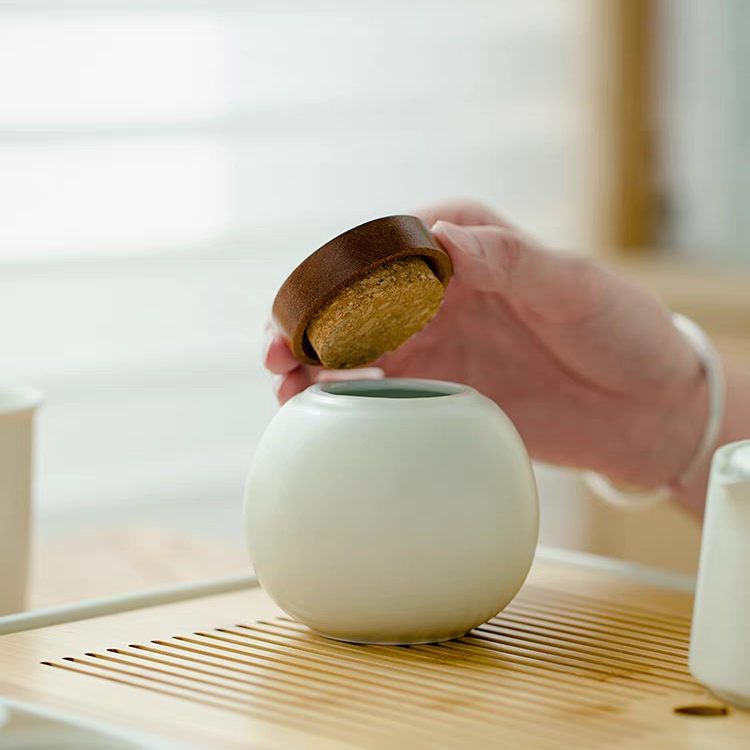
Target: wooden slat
point(580, 659)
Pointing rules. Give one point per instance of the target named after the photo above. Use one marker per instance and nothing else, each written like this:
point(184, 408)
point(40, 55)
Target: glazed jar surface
point(391, 511)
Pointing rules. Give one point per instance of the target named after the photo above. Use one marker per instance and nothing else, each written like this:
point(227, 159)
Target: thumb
point(470, 259)
point(492, 258)
point(586, 315)
point(529, 277)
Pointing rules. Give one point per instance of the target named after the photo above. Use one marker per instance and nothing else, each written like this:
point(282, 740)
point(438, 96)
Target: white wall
point(703, 105)
point(154, 202)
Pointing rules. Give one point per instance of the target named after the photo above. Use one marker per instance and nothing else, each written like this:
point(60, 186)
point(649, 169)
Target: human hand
point(587, 365)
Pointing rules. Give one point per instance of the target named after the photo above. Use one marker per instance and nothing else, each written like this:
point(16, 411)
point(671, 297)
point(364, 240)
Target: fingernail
point(460, 238)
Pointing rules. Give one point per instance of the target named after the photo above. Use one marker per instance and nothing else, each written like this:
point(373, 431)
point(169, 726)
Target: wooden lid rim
point(344, 259)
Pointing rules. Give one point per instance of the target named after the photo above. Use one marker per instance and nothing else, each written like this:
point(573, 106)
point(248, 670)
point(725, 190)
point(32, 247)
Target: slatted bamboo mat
point(581, 659)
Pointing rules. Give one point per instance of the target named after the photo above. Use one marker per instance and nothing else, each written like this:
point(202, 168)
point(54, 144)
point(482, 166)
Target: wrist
point(662, 429)
point(662, 437)
point(683, 434)
point(679, 429)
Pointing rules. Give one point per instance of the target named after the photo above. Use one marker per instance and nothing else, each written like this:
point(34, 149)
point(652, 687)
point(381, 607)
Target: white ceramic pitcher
point(17, 408)
point(720, 640)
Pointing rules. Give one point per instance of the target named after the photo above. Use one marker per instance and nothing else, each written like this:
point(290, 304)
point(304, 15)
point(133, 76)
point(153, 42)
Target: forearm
point(735, 426)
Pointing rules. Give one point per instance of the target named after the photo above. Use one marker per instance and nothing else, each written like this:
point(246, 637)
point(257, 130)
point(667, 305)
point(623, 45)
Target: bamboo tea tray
point(591, 654)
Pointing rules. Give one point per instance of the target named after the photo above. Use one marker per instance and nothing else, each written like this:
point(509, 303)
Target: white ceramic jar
point(391, 511)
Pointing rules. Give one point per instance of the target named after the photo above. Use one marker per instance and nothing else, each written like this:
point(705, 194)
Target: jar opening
point(391, 388)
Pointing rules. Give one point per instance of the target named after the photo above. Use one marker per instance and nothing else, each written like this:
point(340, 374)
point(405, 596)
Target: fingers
point(597, 324)
point(528, 276)
point(277, 357)
point(291, 377)
point(290, 384)
point(362, 373)
point(462, 212)
point(286, 386)
point(477, 257)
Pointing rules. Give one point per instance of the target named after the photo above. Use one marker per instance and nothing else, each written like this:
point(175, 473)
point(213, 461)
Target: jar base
point(414, 642)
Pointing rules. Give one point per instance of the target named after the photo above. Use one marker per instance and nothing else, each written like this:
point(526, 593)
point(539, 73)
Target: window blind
point(164, 165)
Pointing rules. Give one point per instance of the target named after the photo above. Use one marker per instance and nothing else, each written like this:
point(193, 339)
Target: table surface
point(583, 657)
point(125, 556)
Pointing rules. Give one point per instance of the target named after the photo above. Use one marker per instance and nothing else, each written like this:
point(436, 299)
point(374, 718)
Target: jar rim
point(394, 389)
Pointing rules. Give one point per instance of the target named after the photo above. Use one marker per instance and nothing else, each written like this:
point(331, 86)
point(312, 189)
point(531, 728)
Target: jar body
point(382, 519)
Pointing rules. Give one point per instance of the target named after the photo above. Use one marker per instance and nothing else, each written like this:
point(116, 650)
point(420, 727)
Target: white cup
point(720, 638)
point(17, 408)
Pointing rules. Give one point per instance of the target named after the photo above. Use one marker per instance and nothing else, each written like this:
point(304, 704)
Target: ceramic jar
point(391, 511)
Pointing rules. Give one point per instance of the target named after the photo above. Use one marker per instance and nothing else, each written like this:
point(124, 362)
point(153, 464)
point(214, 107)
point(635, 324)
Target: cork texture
point(376, 313)
point(311, 288)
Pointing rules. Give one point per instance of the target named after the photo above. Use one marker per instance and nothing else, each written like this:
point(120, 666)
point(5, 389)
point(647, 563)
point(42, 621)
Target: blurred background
point(164, 164)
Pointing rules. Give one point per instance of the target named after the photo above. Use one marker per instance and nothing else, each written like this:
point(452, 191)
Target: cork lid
point(330, 289)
